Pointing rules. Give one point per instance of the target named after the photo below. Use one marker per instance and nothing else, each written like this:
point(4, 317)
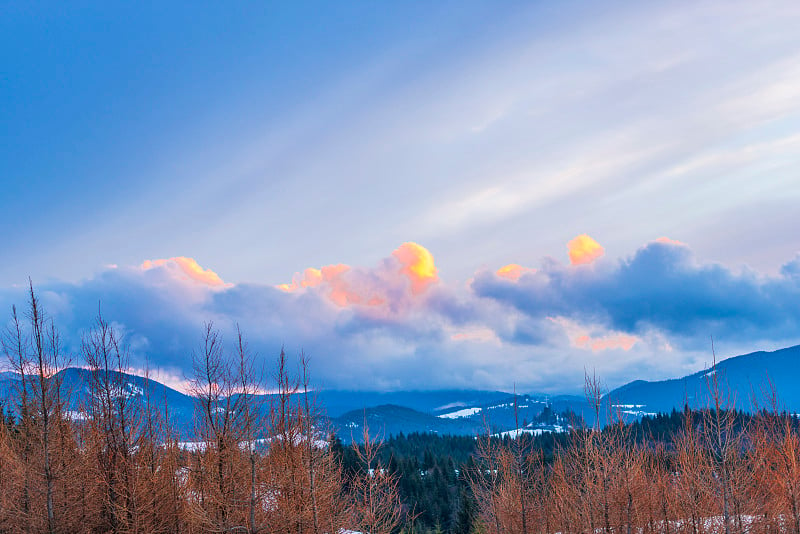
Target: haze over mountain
point(472, 412)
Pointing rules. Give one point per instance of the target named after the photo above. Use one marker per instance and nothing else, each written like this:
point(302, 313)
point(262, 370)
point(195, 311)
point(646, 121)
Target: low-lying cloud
point(397, 325)
point(662, 288)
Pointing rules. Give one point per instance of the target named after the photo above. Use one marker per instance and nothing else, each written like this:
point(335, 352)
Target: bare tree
point(157, 464)
point(592, 459)
point(485, 483)
point(661, 494)
point(724, 440)
point(565, 493)
point(15, 346)
point(775, 462)
point(218, 426)
point(286, 473)
point(376, 502)
point(35, 353)
point(251, 422)
point(625, 460)
point(311, 449)
point(115, 419)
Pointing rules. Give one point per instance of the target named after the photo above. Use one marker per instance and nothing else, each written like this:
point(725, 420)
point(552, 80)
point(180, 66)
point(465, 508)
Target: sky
point(415, 194)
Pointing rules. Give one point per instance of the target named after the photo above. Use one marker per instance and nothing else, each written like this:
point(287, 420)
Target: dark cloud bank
point(488, 334)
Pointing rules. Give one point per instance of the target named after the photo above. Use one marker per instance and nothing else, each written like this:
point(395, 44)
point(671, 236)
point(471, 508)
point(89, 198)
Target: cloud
point(590, 339)
point(583, 250)
point(791, 269)
point(669, 241)
point(418, 266)
point(386, 290)
point(185, 268)
point(334, 279)
point(481, 334)
point(397, 325)
point(513, 271)
point(619, 341)
point(663, 288)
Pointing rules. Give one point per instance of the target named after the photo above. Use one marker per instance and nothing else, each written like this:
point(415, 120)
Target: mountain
point(164, 399)
point(75, 387)
point(460, 412)
point(472, 418)
point(740, 378)
point(338, 402)
point(472, 412)
point(390, 420)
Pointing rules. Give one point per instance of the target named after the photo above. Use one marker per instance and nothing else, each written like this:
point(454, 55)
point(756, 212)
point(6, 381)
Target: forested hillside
point(458, 484)
point(116, 465)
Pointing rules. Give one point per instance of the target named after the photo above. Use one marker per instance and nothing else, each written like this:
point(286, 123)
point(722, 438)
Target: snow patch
point(513, 434)
point(75, 415)
point(466, 412)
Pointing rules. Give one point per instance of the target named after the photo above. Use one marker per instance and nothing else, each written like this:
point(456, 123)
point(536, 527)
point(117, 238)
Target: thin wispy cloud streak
point(280, 167)
point(678, 119)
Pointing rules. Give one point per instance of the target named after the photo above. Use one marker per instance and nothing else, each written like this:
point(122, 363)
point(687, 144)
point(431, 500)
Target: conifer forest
point(271, 466)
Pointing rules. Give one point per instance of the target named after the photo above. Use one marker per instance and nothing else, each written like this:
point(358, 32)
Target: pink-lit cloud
point(608, 342)
point(338, 282)
point(591, 339)
point(668, 241)
point(312, 277)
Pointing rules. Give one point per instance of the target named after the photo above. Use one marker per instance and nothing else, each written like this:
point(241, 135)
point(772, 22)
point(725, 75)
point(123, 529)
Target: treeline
point(435, 472)
point(718, 471)
point(432, 485)
point(675, 472)
point(116, 465)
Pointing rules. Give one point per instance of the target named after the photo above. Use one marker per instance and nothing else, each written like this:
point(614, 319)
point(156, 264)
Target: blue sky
point(261, 140)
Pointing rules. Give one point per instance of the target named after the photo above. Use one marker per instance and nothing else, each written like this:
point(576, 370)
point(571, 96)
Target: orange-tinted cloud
point(417, 264)
point(339, 289)
point(513, 271)
point(385, 289)
point(617, 341)
point(312, 277)
point(583, 249)
point(188, 269)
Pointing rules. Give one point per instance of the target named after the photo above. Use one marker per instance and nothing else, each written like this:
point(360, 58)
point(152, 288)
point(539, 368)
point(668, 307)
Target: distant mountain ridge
point(75, 387)
point(338, 402)
point(471, 412)
point(741, 378)
point(390, 420)
point(345, 411)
